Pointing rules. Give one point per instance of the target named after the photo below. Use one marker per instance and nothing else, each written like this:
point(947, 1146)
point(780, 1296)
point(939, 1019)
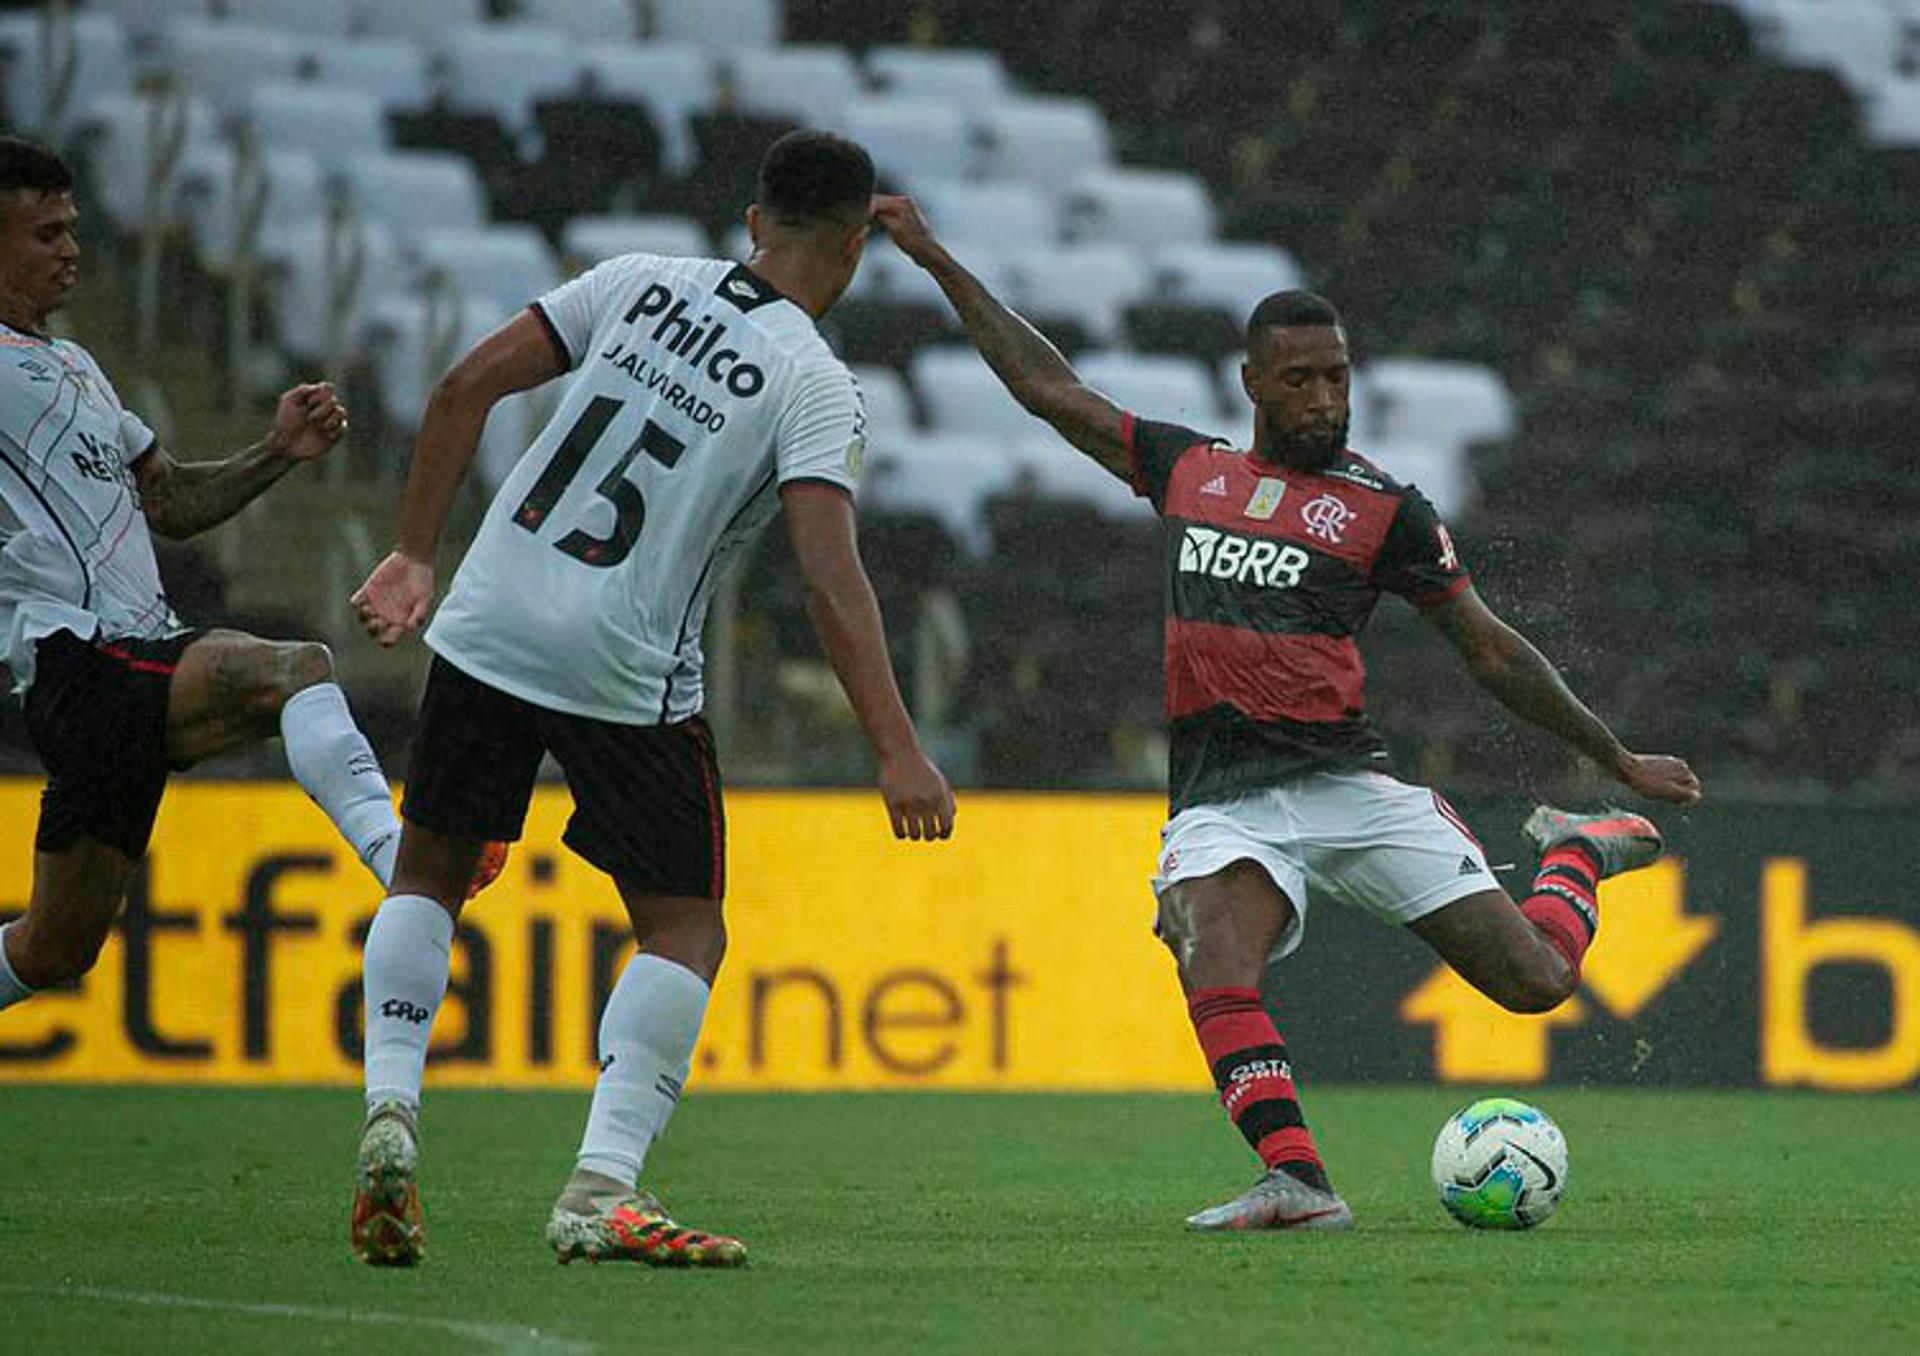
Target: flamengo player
point(702, 402)
point(1279, 785)
point(118, 693)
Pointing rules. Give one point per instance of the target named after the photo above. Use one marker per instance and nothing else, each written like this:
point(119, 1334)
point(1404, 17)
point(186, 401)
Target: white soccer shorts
point(1365, 839)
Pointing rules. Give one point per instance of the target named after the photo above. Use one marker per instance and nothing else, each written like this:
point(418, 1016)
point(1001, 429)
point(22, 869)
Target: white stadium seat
point(970, 78)
point(313, 18)
point(997, 212)
point(673, 80)
point(948, 475)
point(807, 82)
point(332, 122)
point(889, 405)
point(222, 62)
point(1062, 471)
point(504, 69)
point(1138, 207)
point(1231, 275)
point(318, 274)
point(586, 241)
point(145, 20)
point(909, 136)
point(887, 275)
point(102, 66)
point(419, 20)
point(413, 341)
point(1430, 400)
point(120, 133)
point(1155, 386)
point(391, 70)
point(961, 394)
point(584, 20)
point(1047, 141)
point(508, 265)
point(414, 191)
point(1089, 284)
point(292, 182)
point(1855, 39)
point(1441, 472)
point(1891, 115)
point(719, 23)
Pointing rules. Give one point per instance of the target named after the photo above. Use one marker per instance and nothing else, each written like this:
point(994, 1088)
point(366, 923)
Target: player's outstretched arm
point(846, 615)
point(1505, 663)
point(184, 498)
point(1039, 377)
point(399, 592)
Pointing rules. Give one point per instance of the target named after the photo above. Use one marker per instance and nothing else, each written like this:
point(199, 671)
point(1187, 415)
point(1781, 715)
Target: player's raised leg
point(1221, 928)
point(647, 1035)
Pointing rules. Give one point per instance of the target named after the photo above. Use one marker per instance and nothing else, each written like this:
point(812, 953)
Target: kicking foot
point(1277, 1201)
point(493, 860)
point(1618, 840)
point(388, 1227)
point(636, 1229)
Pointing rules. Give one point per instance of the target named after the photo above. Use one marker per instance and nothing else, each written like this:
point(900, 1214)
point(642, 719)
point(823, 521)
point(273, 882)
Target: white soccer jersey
point(697, 391)
point(74, 550)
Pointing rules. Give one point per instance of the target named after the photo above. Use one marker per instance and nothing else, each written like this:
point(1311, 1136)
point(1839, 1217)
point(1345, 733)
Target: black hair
point(30, 166)
point(810, 178)
point(1294, 307)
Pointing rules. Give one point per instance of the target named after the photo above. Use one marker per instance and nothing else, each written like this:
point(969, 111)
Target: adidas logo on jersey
point(1217, 487)
point(1209, 551)
point(696, 340)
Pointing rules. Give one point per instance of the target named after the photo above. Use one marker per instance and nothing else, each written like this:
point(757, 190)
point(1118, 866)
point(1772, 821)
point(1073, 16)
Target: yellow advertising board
point(1017, 955)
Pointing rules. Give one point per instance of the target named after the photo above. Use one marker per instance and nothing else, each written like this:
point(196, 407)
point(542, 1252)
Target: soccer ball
point(1500, 1164)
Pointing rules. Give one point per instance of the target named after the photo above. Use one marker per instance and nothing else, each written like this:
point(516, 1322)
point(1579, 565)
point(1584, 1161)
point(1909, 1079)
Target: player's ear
point(754, 223)
point(1246, 381)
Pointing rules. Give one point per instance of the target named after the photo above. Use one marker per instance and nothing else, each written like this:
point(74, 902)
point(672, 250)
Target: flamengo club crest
point(1326, 517)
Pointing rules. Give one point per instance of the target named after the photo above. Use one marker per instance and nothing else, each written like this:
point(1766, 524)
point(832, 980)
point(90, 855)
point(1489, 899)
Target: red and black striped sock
point(1565, 903)
point(1255, 1079)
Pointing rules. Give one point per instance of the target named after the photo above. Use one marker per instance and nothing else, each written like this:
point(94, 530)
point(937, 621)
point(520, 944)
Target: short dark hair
point(30, 166)
point(1293, 307)
point(809, 178)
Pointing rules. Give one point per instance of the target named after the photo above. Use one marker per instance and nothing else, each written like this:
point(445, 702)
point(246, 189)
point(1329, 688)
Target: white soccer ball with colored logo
point(1500, 1164)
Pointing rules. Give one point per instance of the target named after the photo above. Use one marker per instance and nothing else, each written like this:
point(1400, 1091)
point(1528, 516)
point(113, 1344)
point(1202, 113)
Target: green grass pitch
point(143, 1220)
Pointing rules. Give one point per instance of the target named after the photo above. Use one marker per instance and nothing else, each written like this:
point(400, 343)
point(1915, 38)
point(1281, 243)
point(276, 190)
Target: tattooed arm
point(181, 499)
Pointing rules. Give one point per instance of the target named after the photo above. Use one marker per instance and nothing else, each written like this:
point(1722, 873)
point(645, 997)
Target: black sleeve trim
point(145, 452)
point(553, 335)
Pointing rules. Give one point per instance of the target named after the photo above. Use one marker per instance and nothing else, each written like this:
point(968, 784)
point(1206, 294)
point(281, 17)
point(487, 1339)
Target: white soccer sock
point(332, 760)
point(12, 988)
point(646, 1051)
point(409, 949)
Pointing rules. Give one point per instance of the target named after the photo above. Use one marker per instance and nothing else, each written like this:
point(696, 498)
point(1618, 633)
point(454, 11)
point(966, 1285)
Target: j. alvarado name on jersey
point(697, 343)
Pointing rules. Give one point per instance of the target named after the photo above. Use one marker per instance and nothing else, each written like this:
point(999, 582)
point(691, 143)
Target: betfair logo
point(1209, 551)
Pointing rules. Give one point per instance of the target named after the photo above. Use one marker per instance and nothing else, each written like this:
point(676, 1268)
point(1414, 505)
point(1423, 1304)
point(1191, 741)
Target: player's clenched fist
point(309, 420)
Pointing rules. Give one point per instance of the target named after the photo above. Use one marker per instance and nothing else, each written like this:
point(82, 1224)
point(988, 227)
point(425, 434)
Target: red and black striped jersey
point(1271, 574)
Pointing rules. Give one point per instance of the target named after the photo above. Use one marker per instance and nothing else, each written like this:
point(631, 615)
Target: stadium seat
point(1202, 332)
point(222, 62)
point(1060, 471)
point(718, 23)
point(292, 181)
point(1890, 116)
point(586, 241)
point(988, 212)
point(886, 333)
point(504, 69)
point(478, 138)
point(1450, 404)
point(310, 18)
point(102, 65)
point(320, 271)
point(1047, 141)
point(1232, 275)
point(422, 21)
point(117, 137)
point(889, 405)
point(961, 394)
point(392, 71)
point(1154, 386)
point(145, 20)
point(1855, 39)
point(909, 136)
point(1439, 471)
point(805, 83)
point(674, 80)
point(599, 154)
point(885, 274)
point(972, 80)
point(412, 342)
point(584, 21)
point(509, 266)
point(333, 123)
point(948, 475)
point(1137, 207)
point(413, 191)
point(1090, 285)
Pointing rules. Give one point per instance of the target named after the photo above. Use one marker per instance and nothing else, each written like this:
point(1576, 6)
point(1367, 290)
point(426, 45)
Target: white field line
point(496, 1337)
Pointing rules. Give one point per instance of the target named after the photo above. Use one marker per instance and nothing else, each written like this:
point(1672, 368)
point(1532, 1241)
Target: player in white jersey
point(117, 693)
point(702, 401)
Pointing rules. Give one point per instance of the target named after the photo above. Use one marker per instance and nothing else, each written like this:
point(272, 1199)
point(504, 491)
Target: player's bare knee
point(303, 663)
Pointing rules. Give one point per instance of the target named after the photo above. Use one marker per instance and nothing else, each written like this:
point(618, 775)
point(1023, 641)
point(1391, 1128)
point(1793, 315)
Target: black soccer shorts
point(97, 716)
point(646, 798)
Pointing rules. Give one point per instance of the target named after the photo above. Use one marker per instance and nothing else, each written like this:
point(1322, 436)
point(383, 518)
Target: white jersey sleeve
point(574, 310)
point(822, 433)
